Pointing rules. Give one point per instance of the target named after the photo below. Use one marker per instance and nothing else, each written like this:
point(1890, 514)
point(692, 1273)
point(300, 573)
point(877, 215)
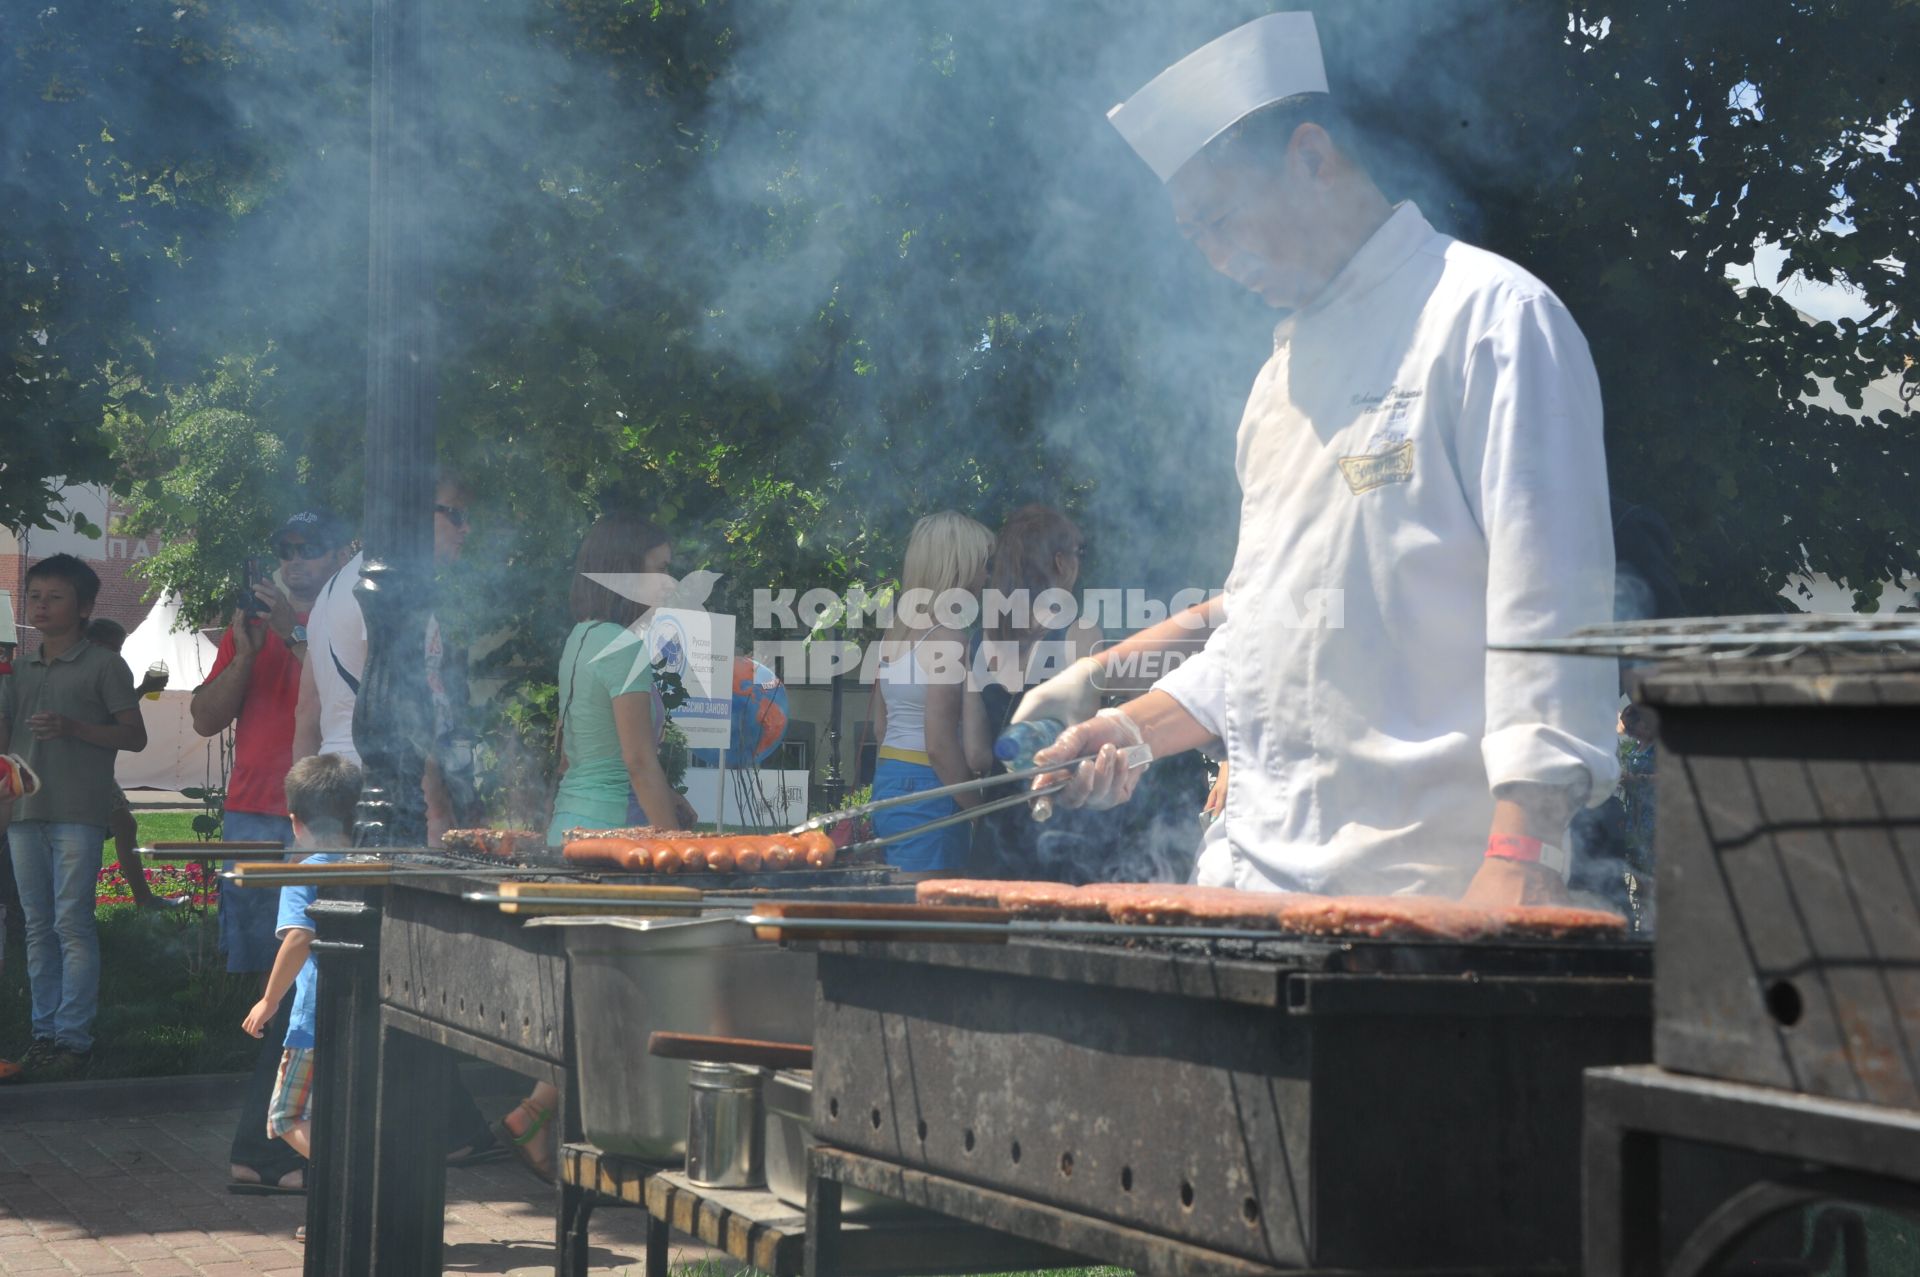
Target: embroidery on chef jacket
point(1389, 454)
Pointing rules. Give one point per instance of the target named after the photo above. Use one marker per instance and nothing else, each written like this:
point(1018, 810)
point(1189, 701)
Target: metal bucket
point(632, 976)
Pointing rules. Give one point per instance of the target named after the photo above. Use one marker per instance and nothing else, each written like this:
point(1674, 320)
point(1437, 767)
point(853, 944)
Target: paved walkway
point(148, 1195)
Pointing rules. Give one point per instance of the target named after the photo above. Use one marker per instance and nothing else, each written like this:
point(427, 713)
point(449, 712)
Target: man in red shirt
point(253, 687)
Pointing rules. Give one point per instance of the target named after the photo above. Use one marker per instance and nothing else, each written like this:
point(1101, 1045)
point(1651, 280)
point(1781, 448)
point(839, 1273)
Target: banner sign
point(697, 646)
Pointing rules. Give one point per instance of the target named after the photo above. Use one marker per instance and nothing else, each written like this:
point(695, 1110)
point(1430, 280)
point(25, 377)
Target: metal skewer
point(959, 817)
point(1135, 756)
point(607, 902)
point(291, 873)
point(1019, 927)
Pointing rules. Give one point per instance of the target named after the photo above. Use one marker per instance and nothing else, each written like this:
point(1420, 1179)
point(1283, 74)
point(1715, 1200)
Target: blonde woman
point(920, 689)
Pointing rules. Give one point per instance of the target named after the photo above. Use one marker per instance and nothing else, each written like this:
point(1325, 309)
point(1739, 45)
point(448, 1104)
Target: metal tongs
point(1135, 756)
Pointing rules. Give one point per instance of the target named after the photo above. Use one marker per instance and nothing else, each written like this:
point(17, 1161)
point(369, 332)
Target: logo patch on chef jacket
point(1376, 469)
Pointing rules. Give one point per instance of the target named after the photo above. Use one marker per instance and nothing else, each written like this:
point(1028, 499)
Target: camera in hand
point(250, 602)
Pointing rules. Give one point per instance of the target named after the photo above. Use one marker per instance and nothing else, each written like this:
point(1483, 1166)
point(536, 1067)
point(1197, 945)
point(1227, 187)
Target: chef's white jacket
point(1421, 472)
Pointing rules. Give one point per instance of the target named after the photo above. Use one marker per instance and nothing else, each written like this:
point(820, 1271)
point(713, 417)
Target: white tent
point(176, 756)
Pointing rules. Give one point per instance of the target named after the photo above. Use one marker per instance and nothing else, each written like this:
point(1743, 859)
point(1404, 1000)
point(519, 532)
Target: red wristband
point(1514, 847)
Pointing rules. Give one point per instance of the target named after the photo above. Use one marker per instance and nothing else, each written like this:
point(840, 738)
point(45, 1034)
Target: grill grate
point(858, 871)
point(1722, 638)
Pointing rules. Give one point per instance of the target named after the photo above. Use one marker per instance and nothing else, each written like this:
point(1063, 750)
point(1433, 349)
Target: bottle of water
point(1020, 742)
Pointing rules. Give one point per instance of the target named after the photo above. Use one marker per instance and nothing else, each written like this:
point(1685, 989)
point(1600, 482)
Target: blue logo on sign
point(670, 646)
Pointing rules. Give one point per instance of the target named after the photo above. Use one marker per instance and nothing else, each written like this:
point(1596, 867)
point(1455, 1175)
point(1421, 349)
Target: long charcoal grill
point(413, 973)
point(1780, 1123)
point(1221, 1106)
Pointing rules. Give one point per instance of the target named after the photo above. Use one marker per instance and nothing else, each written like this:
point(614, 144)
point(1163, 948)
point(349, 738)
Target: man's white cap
point(1216, 86)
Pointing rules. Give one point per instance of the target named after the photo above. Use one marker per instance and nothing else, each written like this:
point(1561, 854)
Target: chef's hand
point(1501, 882)
point(683, 812)
point(1107, 781)
point(1069, 697)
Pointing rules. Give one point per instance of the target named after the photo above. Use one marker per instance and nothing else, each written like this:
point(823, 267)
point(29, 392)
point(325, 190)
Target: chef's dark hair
point(1261, 138)
point(615, 543)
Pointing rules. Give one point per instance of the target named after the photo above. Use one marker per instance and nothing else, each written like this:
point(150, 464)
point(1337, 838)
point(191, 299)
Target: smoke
point(895, 241)
point(911, 221)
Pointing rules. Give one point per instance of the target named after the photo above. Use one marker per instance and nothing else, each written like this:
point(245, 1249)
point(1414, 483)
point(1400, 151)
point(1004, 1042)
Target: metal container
point(1788, 952)
point(628, 977)
point(724, 1132)
point(787, 1098)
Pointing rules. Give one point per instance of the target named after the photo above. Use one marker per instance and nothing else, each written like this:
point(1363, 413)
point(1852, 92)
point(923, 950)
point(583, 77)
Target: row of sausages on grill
point(646, 850)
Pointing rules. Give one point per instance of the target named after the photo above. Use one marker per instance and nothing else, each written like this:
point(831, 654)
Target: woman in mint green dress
point(611, 718)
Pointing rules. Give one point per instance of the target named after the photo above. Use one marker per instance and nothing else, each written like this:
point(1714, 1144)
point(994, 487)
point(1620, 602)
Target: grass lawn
point(167, 1004)
point(164, 826)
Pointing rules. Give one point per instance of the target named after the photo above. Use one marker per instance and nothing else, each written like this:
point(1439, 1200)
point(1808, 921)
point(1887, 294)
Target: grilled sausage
point(598, 852)
point(722, 854)
point(668, 858)
point(749, 856)
point(814, 848)
point(781, 853)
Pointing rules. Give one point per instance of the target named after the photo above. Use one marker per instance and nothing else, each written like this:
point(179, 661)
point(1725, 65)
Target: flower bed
point(183, 879)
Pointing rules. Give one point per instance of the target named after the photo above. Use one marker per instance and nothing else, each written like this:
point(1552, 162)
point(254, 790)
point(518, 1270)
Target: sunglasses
point(456, 514)
point(301, 550)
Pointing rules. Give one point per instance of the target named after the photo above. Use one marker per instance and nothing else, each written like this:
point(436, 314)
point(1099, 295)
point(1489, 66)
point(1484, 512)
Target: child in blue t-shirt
point(321, 793)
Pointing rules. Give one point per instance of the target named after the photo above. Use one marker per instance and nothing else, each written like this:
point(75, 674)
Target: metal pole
point(393, 716)
point(833, 788)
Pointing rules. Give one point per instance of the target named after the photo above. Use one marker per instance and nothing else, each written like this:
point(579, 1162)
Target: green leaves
point(689, 270)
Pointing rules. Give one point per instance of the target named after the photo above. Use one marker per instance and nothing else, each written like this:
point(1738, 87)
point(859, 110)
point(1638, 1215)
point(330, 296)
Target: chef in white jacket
point(1421, 475)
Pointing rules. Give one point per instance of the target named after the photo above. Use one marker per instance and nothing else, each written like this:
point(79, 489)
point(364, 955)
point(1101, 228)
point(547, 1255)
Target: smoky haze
point(890, 250)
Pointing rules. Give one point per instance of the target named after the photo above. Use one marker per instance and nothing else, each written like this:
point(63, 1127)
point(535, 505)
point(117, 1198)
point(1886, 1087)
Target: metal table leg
point(410, 1187)
point(573, 1243)
point(1621, 1197)
point(657, 1237)
point(823, 1221)
point(340, 1181)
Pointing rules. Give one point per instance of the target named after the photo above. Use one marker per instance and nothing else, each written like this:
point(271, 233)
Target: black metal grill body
point(1789, 874)
point(1687, 1176)
point(406, 973)
point(1285, 1111)
point(410, 974)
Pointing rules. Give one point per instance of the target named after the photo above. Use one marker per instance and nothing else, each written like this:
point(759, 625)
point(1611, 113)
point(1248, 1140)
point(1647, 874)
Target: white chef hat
point(1216, 86)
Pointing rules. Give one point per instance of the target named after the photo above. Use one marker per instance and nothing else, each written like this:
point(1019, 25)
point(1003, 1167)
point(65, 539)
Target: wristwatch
point(298, 634)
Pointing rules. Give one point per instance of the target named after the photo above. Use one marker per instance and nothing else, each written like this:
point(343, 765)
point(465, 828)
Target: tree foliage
point(790, 274)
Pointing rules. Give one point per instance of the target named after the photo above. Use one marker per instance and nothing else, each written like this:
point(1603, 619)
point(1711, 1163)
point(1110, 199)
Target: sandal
point(538, 1160)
